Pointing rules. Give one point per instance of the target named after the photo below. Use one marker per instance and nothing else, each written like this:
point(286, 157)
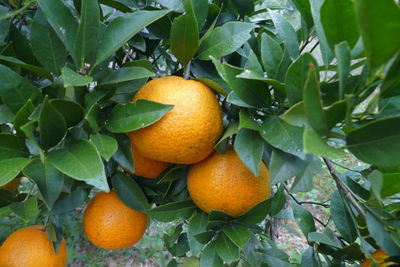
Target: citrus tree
point(296, 87)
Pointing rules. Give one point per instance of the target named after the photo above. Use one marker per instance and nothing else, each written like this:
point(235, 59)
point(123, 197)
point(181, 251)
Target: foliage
point(300, 95)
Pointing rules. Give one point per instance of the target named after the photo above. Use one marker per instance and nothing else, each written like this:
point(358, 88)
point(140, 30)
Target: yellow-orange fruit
point(110, 224)
point(146, 167)
point(222, 182)
point(380, 256)
point(187, 133)
point(12, 185)
point(30, 247)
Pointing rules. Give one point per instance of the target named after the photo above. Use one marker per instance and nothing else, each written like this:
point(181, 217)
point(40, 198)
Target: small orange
point(12, 185)
point(110, 224)
point(30, 247)
point(380, 256)
point(146, 167)
point(187, 133)
point(222, 182)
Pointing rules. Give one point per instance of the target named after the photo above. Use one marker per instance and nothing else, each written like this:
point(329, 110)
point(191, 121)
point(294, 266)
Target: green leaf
point(278, 201)
point(49, 180)
point(246, 122)
point(106, 145)
point(304, 180)
point(71, 78)
point(226, 249)
point(22, 116)
point(34, 69)
point(91, 117)
point(296, 77)
point(130, 192)
point(287, 33)
point(295, 115)
point(256, 214)
point(175, 5)
point(62, 21)
point(230, 130)
point(184, 36)
point(87, 32)
point(125, 74)
point(11, 147)
point(283, 136)
point(271, 55)
point(26, 210)
point(339, 22)
point(225, 40)
point(209, 257)
point(250, 147)
point(379, 41)
point(16, 90)
point(124, 156)
point(343, 55)
point(123, 28)
point(197, 224)
point(371, 144)
point(342, 218)
point(322, 239)
point(171, 211)
point(284, 166)
point(6, 115)
point(316, 116)
point(80, 160)
point(303, 219)
point(244, 7)
point(200, 8)
point(390, 185)
point(133, 116)
point(237, 233)
point(251, 92)
point(314, 144)
point(304, 8)
point(72, 112)
point(51, 124)
point(205, 237)
point(10, 168)
point(46, 46)
point(70, 202)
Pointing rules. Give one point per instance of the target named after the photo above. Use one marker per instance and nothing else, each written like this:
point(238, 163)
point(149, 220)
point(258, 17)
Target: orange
point(30, 247)
point(110, 224)
point(146, 167)
point(380, 256)
point(222, 182)
point(12, 185)
point(187, 133)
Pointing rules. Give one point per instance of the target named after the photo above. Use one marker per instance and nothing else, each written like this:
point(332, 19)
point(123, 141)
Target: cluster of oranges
point(185, 135)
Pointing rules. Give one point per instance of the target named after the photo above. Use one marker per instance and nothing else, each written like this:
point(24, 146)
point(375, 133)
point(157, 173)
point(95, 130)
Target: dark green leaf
point(304, 8)
point(71, 111)
point(51, 125)
point(304, 180)
point(304, 219)
point(204, 237)
point(46, 46)
point(126, 74)
point(314, 144)
point(249, 146)
point(197, 224)
point(11, 147)
point(342, 218)
point(106, 145)
point(200, 8)
point(379, 41)
point(80, 160)
point(237, 233)
point(70, 202)
point(209, 257)
point(257, 213)
point(225, 40)
point(6, 115)
point(271, 55)
point(343, 55)
point(123, 28)
point(26, 210)
point(34, 69)
point(10, 168)
point(244, 7)
point(169, 212)
point(296, 115)
point(322, 239)
point(287, 33)
point(22, 116)
point(130, 192)
point(124, 156)
point(71, 78)
point(49, 180)
point(226, 249)
point(339, 22)
point(372, 145)
point(278, 201)
point(284, 166)
point(134, 116)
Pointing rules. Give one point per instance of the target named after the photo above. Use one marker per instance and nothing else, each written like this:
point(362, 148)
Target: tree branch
point(348, 194)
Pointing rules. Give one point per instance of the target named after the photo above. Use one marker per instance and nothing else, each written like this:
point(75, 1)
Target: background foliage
point(303, 84)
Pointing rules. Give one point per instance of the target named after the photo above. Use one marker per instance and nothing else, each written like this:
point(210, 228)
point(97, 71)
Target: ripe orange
point(12, 185)
point(187, 133)
point(380, 256)
point(222, 182)
point(110, 224)
point(146, 167)
point(30, 247)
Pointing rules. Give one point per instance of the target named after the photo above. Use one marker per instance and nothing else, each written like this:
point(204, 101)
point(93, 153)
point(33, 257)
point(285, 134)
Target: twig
point(343, 188)
point(186, 74)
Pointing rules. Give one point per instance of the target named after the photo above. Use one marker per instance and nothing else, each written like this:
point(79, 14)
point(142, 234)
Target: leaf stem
point(186, 74)
point(343, 188)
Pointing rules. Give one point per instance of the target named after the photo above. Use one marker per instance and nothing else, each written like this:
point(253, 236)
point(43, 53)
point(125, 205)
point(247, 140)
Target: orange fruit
point(30, 247)
point(12, 185)
point(222, 182)
point(110, 224)
point(380, 256)
point(146, 167)
point(187, 133)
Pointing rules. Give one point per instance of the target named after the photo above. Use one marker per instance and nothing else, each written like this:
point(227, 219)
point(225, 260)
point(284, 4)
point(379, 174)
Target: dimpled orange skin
point(110, 224)
point(187, 133)
point(30, 247)
point(12, 185)
point(379, 256)
point(222, 182)
point(146, 167)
